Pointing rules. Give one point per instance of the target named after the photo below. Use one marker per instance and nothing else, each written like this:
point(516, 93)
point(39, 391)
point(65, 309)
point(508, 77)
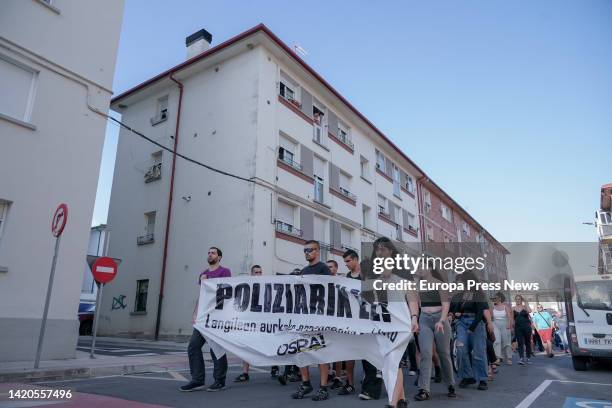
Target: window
point(154, 172)
point(427, 200)
point(162, 111)
point(365, 168)
point(409, 221)
point(466, 228)
point(286, 152)
point(142, 290)
point(18, 87)
point(285, 218)
point(430, 233)
point(345, 185)
point(365, 213)
point(380, 161)
point(446, 212)
point(288, 88)
point(318, 112)
point(396, 181)
point(409, 184)
point(345, 237)
point(148, 236)
point(4, 206)
point(382, 205)
point(605, 217)
point(344, 134)
point(319, 179)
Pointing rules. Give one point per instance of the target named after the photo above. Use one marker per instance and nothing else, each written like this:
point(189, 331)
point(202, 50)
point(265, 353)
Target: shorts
point(545, 334)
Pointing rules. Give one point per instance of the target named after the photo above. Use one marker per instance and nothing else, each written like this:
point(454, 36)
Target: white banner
point(302, 320)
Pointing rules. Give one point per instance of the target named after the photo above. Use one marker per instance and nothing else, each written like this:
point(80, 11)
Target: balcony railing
point(162, 116)
point(343, 137)
point(605, 231)
point(347, 193)
point(288, 229)
point(347, 247)
point(290, 162)
point(154, 173)
point(145, 239)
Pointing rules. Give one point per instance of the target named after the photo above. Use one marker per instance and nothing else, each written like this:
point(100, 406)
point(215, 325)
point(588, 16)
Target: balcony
point(145, 239)
point(347, 247)
point(154, 173)
point(286, 228)
point(289, 161)
point(604, 225)
point(344, 194)
point(159, 118)
point(343, 140)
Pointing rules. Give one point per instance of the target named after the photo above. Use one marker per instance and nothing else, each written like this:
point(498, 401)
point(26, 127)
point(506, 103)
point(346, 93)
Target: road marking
point(534, 394)
point(144, 377)
point(177, 376)
point(582, 382)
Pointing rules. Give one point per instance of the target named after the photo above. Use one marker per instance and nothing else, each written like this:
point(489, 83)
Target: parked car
point(86, 317)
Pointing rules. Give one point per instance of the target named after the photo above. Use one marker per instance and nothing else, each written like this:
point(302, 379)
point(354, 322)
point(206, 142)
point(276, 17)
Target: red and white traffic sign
point(104, 269)
point(59, 220)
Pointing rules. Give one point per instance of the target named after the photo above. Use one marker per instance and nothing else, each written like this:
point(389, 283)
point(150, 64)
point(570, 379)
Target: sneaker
point(293, 377)
point(282, 379)
point(466, 381)
point(411, 373)
point(302, 391)
point(346, 390)
point(336, 383)
point(365, 396)
point(422, 395)
point(192, 386)
point(482, 386)
point(321, 395)
point(274, 372)
point(522, 361)
point(402, 404)
point(451, 392)
point(379, 374)
point(244, 377)
point(217, 386)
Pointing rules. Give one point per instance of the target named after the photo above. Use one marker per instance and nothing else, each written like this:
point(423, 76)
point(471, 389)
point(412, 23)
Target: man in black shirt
point(315, 267)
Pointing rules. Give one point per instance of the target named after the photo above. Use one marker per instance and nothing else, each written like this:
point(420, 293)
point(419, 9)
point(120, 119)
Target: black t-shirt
point(358, 277)
point(317, 269)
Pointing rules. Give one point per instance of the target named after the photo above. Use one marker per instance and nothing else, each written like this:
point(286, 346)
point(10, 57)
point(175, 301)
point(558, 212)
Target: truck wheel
point(579, 363)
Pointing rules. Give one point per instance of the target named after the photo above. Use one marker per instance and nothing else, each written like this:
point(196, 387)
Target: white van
point(588, 301)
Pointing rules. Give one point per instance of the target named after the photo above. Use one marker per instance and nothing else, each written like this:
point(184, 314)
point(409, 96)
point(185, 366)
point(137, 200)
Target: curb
point(59, 374)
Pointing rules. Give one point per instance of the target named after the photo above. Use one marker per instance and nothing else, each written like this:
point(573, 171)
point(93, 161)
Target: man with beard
point(194, 350)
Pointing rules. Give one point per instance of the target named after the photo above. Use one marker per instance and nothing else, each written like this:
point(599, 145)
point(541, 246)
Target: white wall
point(53, 158)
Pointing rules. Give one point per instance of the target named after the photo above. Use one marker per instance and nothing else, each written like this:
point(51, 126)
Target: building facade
point(603, 222)
point(54, 83)
point(310, 166)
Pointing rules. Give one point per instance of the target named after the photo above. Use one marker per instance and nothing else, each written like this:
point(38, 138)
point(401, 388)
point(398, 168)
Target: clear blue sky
point(507, 105)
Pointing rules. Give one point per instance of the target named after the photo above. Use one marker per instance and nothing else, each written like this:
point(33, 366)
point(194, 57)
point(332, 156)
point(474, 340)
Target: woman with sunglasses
point(522, 329)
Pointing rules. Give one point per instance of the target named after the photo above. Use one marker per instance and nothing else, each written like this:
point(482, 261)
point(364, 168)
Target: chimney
point(197, 43)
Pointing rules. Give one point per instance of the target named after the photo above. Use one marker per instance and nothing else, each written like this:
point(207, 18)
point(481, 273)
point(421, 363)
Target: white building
point(315, 168)
point(57, 60)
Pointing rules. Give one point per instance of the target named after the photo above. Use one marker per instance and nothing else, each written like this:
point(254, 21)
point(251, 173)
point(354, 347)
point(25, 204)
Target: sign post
point(58, 223)
point(104, 270)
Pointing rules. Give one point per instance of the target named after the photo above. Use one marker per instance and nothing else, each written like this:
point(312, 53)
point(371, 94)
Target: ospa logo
point(297, 346)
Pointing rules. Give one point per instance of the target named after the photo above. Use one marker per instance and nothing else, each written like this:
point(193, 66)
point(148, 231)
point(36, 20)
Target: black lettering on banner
point(386, 316)
point(255, 306)
point(288, 298)
point(241, 296)
point(331, 299)
point(364, 312)
point(317, 299)
point(268, 297)
point(301, 303)
point(374, 316)
point(344, 306)
point(276, 307)
point(224, 291)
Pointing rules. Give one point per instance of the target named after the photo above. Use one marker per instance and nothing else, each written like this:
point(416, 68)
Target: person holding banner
point(194, 350)
point(312, 251)
point(384, 248)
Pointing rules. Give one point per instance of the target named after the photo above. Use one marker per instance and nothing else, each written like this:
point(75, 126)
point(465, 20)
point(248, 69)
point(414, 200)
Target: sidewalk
point(84, 367)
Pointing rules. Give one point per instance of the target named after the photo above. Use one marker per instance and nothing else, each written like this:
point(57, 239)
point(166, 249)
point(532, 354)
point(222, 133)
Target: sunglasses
point(309, 250)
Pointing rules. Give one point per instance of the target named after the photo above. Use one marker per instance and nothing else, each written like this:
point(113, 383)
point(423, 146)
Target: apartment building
point(57, 61)
point(603, 222)
point(310, 166)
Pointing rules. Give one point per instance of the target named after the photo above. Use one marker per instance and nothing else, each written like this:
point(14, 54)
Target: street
point(545, 383)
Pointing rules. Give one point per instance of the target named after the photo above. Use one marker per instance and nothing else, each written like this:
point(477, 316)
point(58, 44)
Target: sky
point(507, 105)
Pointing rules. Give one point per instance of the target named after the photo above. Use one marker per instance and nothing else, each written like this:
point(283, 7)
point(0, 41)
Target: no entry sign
point(104, 269)
point(59, 220)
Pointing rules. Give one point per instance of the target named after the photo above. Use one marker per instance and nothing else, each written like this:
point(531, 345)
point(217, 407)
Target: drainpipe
point(169, 214)
point(421, 214)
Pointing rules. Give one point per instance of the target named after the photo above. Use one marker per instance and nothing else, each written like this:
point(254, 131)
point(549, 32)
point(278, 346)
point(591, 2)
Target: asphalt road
point(118, 349)
point(546, 383)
